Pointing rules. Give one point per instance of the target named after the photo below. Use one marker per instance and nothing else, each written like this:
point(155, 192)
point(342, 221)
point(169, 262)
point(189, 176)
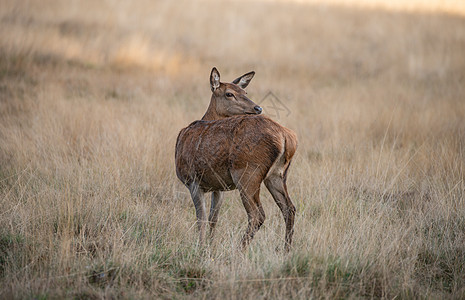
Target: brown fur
point(241, 151)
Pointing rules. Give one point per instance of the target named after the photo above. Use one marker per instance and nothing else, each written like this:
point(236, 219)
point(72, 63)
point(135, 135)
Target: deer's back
point(208, 151)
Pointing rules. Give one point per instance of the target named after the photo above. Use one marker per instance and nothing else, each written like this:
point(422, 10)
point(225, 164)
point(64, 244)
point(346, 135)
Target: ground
point(93, 94)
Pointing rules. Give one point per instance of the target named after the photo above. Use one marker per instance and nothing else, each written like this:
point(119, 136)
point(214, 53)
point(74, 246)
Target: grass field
point(93, 94)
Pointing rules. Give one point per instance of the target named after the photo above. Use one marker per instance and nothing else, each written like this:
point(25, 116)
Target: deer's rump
point(212, 152)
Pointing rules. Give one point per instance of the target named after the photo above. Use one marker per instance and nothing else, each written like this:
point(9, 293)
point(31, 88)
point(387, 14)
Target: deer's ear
point(244, 80)
point(214, 79)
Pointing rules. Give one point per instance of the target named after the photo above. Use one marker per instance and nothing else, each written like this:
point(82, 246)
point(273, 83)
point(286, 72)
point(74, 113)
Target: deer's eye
point(229, 95)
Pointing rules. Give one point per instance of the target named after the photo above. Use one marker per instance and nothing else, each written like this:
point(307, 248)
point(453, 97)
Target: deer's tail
point(290, 145)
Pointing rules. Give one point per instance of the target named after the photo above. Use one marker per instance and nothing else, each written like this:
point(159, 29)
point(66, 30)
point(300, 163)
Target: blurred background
point(338, 39)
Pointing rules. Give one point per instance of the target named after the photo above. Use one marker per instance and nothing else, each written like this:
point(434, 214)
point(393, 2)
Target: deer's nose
point(258, 110)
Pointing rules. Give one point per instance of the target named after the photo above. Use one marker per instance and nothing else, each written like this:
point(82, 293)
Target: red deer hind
point(234, 147)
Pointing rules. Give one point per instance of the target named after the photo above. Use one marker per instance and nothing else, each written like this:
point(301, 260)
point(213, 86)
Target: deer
point(233, 147)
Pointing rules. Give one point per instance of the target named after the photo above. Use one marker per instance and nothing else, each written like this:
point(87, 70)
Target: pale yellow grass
point(417, 6)
point(93, 94)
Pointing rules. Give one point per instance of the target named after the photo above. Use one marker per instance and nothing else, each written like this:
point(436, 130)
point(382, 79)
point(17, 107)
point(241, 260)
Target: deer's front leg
point(198, 197)
point(217, 200)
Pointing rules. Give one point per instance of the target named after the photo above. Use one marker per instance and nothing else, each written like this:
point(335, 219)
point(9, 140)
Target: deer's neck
point(211, 113)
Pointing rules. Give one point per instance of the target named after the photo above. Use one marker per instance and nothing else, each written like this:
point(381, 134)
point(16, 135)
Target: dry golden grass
point(93, 94)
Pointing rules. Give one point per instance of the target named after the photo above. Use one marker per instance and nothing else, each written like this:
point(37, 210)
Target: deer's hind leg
point(248, 184)
point(275, 182)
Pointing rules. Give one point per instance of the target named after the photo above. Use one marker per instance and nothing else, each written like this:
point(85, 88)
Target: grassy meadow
point(94, 93)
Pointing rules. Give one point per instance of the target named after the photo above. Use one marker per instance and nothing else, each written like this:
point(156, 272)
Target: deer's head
point(230, 99)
